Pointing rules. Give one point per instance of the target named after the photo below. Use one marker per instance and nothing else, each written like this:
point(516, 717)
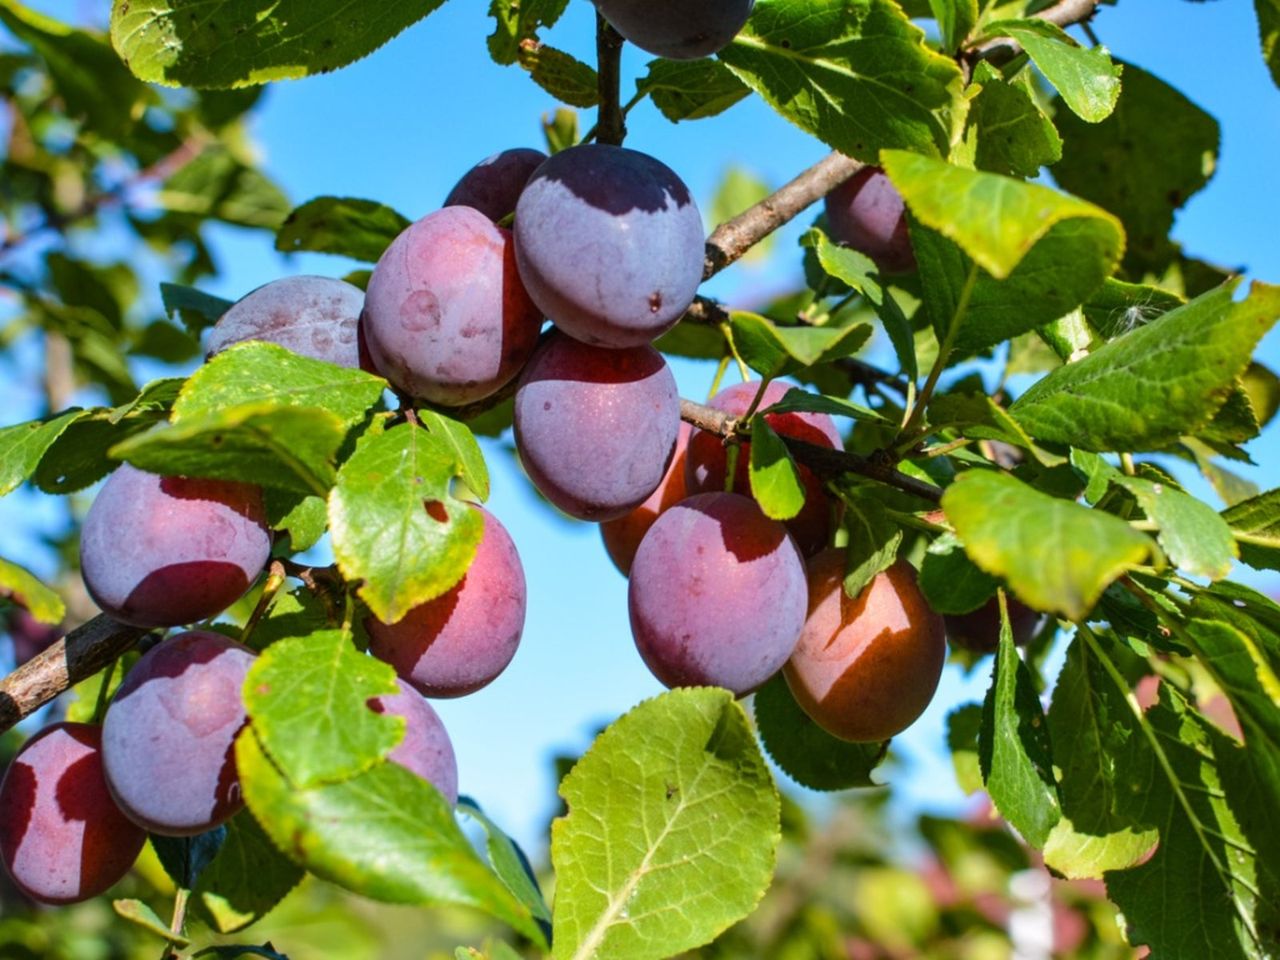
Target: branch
point(733, 239)
point(76, 657)
point(1064, 13)
point(611, 124)
point(826, 463)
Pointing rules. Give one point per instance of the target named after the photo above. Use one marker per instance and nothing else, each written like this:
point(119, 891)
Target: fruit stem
point(611, 125)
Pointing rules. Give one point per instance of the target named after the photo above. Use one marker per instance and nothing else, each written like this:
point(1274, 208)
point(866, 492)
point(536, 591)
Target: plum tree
point(493, 186)
point(609, 244)
point(979, 631)
point(717, 595)
point(426, 749)
point(62, 837)
point(446, 318)
point(459, 642)
point(867, 213)
point(622, 536)
point(169, 733)
point(677, 29)
point(866, 667)
point(162, 551)
point(707, 462)
point(316, 317)
point(596, 428)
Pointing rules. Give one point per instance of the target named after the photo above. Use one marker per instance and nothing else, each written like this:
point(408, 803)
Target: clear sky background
point(401, 126)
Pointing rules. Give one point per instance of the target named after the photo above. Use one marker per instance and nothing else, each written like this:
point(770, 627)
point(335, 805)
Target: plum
point(979, 631)
point(426, 750)
point(867, 213)
point(493, 186)
point(622, 536)
point(677, 29)
point(315, 317)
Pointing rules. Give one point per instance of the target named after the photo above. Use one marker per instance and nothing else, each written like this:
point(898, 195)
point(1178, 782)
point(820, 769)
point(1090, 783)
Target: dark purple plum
point(426, 749)
point(446, 318)
point(622, 536)
point(867, 213)
point(29, 636)
point(62, 837)
point(677, 29)
point(979, 631)
point(162, 551)
point(461, 641)
point(312, 316)
point(610, 245)
point(596, 428)
point(494, 185)
point(718, 594)
point(707, 460)
point(168, 736)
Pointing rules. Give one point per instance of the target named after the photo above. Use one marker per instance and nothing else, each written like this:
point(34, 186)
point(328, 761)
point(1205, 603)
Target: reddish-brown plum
point(866, 668)
point(979, 631)
point(677, 29)
point(867, 213)
point(168, 737)
point(596, 428)
point(493, 186)
point(622, 536)
point(459, 642)
point(717, 594)
point(707, 463)
point(162, 551)
point(312, 316)
point(446, 318)
point(426, 749)
point(610, 245)
point(62, 837)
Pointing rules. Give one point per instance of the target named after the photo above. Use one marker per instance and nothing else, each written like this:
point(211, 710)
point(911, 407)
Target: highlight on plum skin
point(493, 186)
point(677, 29)
point(315, 317)
point(866, 668)
point(595, 428)
point(867, 213)
point(426, 750)
point(979, 631)
point(163, 551)
point(717, 594)
point(169, 734)
point(62, 837)
point(610, 245)
point(622, 536)
point(460, 642)
point(706, 464)
point(446, 318)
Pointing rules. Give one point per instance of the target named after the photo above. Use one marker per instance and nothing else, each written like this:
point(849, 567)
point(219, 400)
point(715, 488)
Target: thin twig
point(611, 123)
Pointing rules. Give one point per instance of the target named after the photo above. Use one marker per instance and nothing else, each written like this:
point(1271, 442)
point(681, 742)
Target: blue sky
point(401, 126)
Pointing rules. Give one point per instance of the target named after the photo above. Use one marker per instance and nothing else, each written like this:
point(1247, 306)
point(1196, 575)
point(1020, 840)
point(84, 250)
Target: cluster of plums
point(608, 244)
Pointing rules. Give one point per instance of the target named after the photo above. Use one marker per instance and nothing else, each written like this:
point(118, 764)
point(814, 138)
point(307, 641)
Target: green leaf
point(304, 518)
point(308, 698)
point(510, 864)
point(1262, 387)
point(291, 614)
point(246, 879)
point(964, 725)
point(1011, 134)
point(774, 351)
point(1056, 555)
point(874, 539)
point(956, 19)
point(181, 42)
point(24, 588)
point(386, 834)
point(802, 401)
point(258, 372)
point(185, 858)
point(290, 448)
point(775, 481)
point(396, 526)
point(195, 308)
point(1191, 532)
point(1091, 724)
point(806, 753)
point(1256, 522)
point(466, 449)
point(979, 417)
point(950, 581)
point(1086, 79)
point(1142, 163)
point(516, 21)
point(739, 190)
point(216, 185)
point(139, 914)
point(1269, 32)
point(1014, 749)
point(997, 220)
point(671, 834)
point(1156, 383)
point(359, 229)
point(563, 76)
point(23, 445)
point(691, 89)
point(855, 73)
